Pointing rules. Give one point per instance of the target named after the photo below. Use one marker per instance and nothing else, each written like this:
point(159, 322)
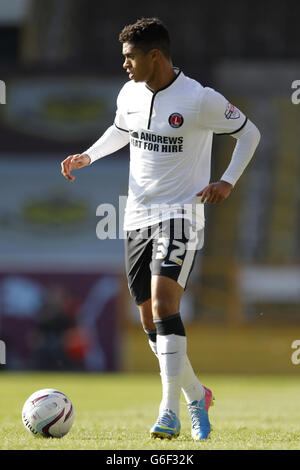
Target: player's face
point(138, 65)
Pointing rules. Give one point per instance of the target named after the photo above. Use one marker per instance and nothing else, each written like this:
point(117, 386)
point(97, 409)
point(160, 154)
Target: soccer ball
point(48, 413)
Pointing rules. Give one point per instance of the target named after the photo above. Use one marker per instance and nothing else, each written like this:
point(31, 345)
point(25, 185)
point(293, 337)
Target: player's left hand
point(215, 193)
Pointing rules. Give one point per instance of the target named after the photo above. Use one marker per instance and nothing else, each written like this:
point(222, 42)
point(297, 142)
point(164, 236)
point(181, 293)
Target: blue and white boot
point(167, 426)
point(201, 427)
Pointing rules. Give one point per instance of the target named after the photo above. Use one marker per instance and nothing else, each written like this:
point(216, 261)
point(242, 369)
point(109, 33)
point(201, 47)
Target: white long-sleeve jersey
point(170, 133)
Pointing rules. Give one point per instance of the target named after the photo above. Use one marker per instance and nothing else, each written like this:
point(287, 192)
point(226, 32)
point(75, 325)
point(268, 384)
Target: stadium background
point(64, 303)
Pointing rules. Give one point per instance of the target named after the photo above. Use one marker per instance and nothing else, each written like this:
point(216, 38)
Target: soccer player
point(169, 121)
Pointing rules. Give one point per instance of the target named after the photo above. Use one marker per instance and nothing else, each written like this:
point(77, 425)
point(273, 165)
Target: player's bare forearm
point(74, 162)
point(215, 193)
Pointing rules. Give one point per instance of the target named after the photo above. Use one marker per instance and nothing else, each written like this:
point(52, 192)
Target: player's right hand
point(74, 162)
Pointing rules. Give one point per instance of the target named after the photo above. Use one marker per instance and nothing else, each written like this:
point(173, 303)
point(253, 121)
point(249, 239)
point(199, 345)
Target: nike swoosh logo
point(165, 264)
point(132, 112)
point(170, 352)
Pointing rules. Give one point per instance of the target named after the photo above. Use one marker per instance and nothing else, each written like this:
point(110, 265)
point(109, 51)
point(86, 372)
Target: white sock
point(153, 347)
point(171, 352)
point(191, 386)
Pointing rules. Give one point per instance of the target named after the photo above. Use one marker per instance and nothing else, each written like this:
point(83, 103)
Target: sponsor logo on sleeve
point(231, 112)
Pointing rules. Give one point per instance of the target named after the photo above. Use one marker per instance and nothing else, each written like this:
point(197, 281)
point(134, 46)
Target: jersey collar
point(177, 72)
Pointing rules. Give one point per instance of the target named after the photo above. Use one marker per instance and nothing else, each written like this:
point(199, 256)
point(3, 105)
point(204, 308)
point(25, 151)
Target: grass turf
point(116, 411)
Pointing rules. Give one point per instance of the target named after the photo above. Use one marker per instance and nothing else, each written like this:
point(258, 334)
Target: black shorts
point(168, 248)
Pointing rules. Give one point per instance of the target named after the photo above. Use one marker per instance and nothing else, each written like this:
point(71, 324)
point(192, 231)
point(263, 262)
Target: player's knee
point(162, 307)
point(147, 323)
point(146, 316)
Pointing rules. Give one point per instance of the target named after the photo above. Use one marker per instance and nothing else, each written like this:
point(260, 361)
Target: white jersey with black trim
point(170, 133)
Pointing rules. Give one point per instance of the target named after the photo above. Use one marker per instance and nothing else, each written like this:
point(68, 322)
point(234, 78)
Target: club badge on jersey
point(175, 120)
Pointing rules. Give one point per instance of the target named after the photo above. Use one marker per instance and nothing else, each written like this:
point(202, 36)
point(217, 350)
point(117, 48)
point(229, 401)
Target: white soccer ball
point(48, 413)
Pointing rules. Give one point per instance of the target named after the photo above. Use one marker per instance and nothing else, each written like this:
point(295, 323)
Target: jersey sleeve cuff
point(120, 128)
point(237, 130)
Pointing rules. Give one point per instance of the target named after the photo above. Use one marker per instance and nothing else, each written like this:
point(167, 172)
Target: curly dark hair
point(147, 34)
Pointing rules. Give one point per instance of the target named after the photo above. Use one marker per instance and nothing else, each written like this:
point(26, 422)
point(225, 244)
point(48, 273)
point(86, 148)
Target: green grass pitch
point(116, 411)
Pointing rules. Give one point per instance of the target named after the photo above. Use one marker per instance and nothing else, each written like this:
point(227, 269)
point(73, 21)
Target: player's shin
point(191, 386)
point(152, 340)
point(171, 352)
